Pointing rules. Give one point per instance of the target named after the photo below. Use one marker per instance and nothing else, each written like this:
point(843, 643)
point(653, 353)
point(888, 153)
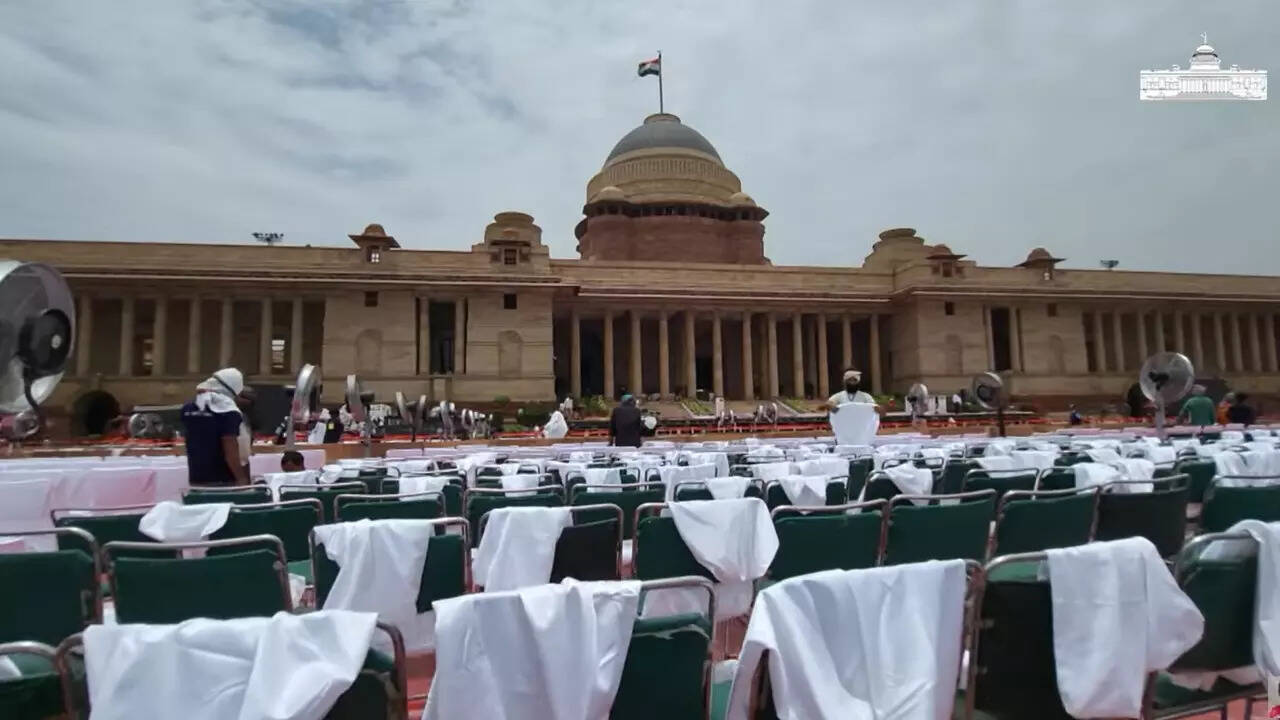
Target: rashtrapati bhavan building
point(672, 291)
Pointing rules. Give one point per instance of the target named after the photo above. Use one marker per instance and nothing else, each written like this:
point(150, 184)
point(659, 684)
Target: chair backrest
point(165, 590)
point(240, 495)
point(1013, 674)
point(48, 596)
point(103, 524)
point(325, 494)
point(953, 475)
point(698, 490)
point(828, 538)
point(942, 531)
point(1159, 516)
point(289, 521)
point(667, 673)
point(859, 470)
point(590, 549)
point(1001, 481)
point(1033, 521)
point(1200, 472)
point(416, 506)
point(660, 551)
point(1057, 478)
point(444, 574)
point(477, 502)
point(1225, 591)
point(627, 496)
point(879, 487)
point(1225, 506)
point(775, 495)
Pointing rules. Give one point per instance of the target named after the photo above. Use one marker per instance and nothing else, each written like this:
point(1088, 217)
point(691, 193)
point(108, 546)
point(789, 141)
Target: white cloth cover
point(1102, 455)
point(1091, 474)
point(734, 539)
point(379, 570)
point(286, 667)
point(911, 480)
point(553, 652)
point(315, 436)
point(1118, 614)
point(520, 481)
point(996, 462)
point(854, 423)
point(999, 447)
point(1266, 618)
point(771, 471)
point(518, 547)
point(556, 426)
point(177, 523)
point(805, 490)
point(413, 484)
point(302, 477)
point(876, 644)
point(727, 488)
point(1038, 459)
point(25, 505)
point(825, 466)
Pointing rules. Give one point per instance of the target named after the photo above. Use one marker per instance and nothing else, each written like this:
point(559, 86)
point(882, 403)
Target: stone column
point(797, 354)
point(126, 336)
point(664, 355)
point(84, 331)
point(194, 335)
point(575, 353)
point(690, 354)
point(264, 339)
point(1117, 336)
point(424, 336)
point(295, 336)
point(459, 336)
point(991, 340)
point(224, 334)
point(1015, 340)
point(1140, 318)
point(1269, 337)
point(1197, 342)
point(846, 343)
point(636, 381)
point(1158, 318)
point(1220, 341)
point(810, 350)
point(1255, 345)
point(771, 325)
point(717, 355)
point(609, 387)
point(748, 368)
point(160, 338)
point(877, 383)
point(1179, 334)
point(1099, 346)
point(824, 383)
point(1237, 342)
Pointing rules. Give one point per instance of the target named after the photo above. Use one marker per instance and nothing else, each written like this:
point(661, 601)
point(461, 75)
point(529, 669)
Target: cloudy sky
point(993, 126)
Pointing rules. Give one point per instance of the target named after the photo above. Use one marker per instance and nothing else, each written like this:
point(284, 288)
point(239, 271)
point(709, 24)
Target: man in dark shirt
point(211, 426)
point(625, 423)
point(1240, 413)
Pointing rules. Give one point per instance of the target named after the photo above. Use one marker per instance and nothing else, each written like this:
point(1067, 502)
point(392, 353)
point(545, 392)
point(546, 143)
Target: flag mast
point(660, 108)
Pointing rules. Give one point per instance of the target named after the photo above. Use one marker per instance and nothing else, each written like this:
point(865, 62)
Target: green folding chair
point(1067, 458)
point(444, 574)
point(478, 501)
point(414, 506)
point(859, 470)
point(667, 673)
point(1200, 472)
point(379, 691)
point(879, 487)
point(1056, 478)
point(590, 548)
point(452, 490)
point(835, 537)
point(954, 473)
point(324, 494)
point(627, 496)
point(658, 551)
point(1001, 481)
point(1225, 506)
point(47, 596)
point(697, 490)
point(1029, 521)
point(1160, 515)
point(1225, 591)
point(162, 590)
point(945, 527)
point(239, 494)
point(775, 496)
point(289, 521)
point(105, 524)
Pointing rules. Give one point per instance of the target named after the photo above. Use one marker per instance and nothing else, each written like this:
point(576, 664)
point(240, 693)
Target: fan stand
point(1000, 419)
point(1159, 418)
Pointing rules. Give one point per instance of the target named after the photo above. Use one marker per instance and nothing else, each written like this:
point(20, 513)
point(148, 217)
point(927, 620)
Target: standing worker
point(851, 393)
point(625, 423)
point(211, 425)
point(1198, 409)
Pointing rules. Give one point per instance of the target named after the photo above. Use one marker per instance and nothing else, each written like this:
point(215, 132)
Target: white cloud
point(994, 126)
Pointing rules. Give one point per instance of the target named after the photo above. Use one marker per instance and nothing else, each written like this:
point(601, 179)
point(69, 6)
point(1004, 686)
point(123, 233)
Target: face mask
point(851, 387)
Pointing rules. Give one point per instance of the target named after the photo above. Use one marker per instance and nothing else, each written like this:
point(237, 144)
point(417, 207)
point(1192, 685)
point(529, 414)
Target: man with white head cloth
point(211, 425)
point(850, 393)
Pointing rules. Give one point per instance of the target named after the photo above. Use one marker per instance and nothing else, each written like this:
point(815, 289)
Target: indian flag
point(650, 67)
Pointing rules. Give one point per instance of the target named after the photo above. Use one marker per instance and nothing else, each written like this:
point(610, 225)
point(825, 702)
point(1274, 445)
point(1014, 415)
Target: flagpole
point(660, 108)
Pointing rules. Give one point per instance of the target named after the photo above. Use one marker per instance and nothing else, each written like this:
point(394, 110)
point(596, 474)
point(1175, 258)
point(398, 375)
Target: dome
point(374, 230)
point(608, 192)
point(1206, 50)
point(742, 199)
point(662, 130)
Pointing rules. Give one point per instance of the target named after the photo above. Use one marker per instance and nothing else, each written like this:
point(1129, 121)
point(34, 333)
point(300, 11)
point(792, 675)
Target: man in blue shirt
point(211, 426)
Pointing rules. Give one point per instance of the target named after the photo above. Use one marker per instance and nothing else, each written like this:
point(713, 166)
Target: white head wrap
point(853, 375)
point(218, 393)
